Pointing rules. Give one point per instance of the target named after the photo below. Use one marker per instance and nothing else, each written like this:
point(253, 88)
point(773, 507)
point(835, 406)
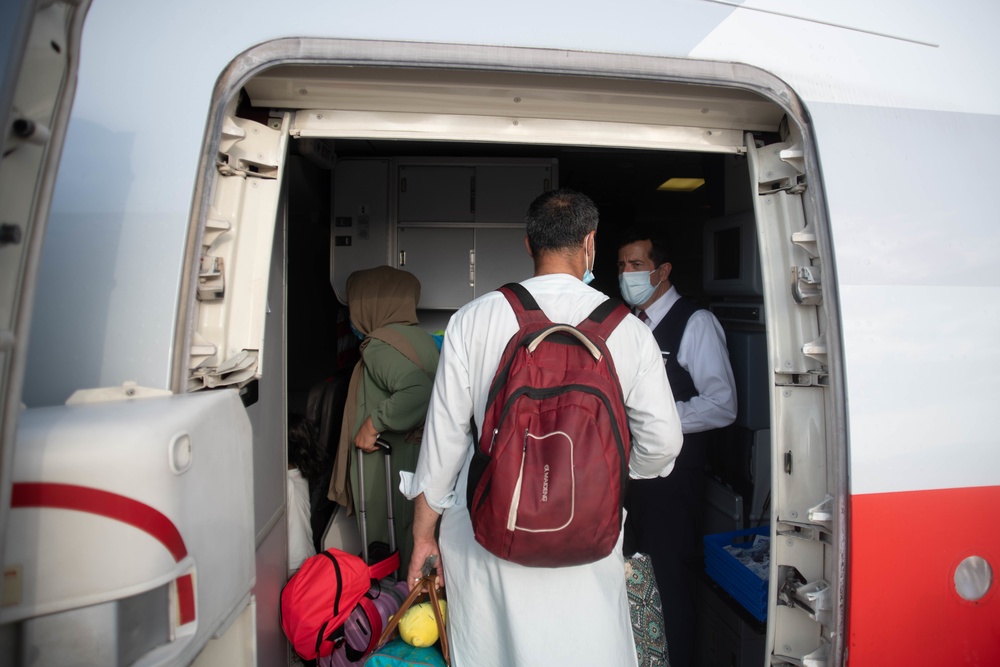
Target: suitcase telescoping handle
point(362, 513)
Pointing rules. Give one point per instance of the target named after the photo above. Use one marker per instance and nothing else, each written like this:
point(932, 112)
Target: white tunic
point(504, 614)
point(300, 544)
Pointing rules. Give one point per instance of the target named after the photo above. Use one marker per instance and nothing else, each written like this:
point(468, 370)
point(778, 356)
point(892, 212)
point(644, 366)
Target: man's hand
point(365, 439)
point(424, 521)
point(418, 558)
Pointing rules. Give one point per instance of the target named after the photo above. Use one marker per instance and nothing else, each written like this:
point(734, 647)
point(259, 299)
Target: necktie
point(643, 316)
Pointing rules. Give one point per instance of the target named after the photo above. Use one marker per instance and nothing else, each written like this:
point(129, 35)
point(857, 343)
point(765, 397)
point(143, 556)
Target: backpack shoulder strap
point(603, 320)
point(524, 305)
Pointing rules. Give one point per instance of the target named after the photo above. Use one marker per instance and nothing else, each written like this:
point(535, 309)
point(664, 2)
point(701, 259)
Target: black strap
point(523, 295)
point(668, 334)
point(597, 321)
point(602, 311)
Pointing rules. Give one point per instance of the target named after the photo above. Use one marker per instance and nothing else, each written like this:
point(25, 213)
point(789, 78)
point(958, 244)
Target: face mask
point(588, 275)
point(357, 333)
point(635, 286)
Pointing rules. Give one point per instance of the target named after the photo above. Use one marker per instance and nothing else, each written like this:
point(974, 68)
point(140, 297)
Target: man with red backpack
point(537, 605)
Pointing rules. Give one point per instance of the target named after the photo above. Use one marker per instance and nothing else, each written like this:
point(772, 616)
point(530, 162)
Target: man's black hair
point(660, 250)
point(559, 220)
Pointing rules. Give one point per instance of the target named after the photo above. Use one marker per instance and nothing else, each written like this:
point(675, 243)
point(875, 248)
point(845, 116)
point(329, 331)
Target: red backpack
point(548, 476)
point(322, 594)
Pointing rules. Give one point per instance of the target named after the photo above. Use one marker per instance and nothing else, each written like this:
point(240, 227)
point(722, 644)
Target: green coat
point(394, 392)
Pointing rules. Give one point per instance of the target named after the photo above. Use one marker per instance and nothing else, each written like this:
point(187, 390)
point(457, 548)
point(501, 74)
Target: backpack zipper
point(516, 500)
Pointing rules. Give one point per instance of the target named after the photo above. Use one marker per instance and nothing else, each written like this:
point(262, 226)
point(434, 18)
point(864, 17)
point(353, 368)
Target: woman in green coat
point(387, 398)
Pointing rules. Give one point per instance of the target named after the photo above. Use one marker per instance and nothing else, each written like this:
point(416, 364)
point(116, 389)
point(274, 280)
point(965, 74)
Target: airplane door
point(38, 59)
point(805, 611)
point(126, 515)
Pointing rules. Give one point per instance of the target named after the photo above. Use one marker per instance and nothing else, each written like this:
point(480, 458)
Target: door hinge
point(211, 279)
point(818, 658)
point(822, 513)
point(818, 378)
point(237, 370)
point(781, 167)
point(813, 598)
point(807, 285)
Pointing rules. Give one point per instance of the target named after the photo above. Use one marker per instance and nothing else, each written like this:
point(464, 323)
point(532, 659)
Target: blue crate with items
point(723, 552)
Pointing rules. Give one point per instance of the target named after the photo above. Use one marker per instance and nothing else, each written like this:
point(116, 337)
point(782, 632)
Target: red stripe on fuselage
point(185, 598)
point(101, 503)
point(903, 607)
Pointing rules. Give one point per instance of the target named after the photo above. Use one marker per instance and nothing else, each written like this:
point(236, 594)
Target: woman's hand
point(365, 439)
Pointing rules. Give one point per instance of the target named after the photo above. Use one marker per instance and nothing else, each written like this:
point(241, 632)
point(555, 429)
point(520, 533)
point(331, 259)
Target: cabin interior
point(712, 232)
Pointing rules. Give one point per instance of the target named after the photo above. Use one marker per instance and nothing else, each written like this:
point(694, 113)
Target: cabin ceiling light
point(681, 184)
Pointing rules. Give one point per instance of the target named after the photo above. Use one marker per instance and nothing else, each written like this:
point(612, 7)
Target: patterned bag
point(646, 611)
point(398, 653)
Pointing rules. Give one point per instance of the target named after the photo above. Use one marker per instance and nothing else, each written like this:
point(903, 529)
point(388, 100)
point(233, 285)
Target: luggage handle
point(362, 513)
point(576, 333)
point(427, 584)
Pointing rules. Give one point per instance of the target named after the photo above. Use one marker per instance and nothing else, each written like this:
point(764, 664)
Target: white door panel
point(131, 522)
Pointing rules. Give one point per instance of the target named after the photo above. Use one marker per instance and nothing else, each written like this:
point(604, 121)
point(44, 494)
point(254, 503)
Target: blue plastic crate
point(740, 582)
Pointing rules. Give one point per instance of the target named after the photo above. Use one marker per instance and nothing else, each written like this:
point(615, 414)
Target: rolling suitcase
point(364, 626)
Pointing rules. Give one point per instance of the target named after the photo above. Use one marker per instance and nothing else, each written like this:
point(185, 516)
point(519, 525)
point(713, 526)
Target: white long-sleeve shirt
point(535, 616)
point(704, 355)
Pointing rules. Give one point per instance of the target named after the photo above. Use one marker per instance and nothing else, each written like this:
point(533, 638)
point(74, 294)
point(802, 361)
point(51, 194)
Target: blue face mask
point(357, 333)
point(635, 286)
point(588, 275)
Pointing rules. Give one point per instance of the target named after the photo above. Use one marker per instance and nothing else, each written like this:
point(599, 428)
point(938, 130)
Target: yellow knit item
point(417, 627)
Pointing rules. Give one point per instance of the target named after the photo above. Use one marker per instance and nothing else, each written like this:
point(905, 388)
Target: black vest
point(668, 335)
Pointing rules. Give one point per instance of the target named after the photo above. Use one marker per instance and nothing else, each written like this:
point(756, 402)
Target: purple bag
point(360, 636)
